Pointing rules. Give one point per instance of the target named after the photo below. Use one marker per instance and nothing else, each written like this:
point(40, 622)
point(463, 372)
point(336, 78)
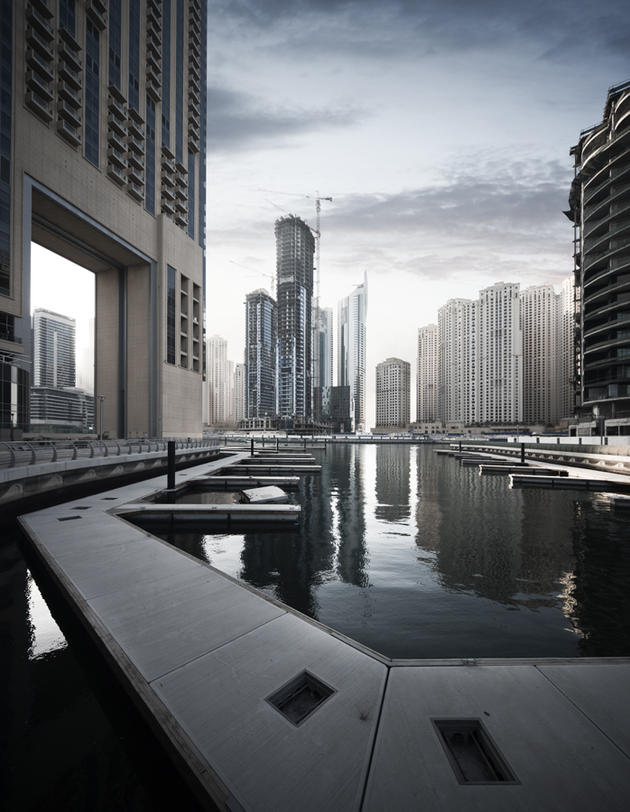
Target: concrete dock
point(210, 662)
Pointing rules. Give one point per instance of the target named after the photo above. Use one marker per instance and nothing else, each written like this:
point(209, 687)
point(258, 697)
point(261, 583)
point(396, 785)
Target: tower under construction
point(295, 247)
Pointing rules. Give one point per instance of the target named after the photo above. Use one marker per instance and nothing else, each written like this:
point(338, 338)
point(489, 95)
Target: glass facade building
point(260, 354)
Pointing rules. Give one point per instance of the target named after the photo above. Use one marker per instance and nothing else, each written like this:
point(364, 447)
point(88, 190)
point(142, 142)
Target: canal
point(416, 556)
point(402, 550)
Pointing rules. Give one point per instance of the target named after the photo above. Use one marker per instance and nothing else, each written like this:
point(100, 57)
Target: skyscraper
point(103, 111)
point(598, 205)
point(500, 355)
point(53, 349)
point(323, 334)
point(454, 373)
point(260, 354)
point(539, 322)
point(218, 381)
point(239, 393)
point(393, 391)
point(427, 382)
point(351, 349)
point(295, 248)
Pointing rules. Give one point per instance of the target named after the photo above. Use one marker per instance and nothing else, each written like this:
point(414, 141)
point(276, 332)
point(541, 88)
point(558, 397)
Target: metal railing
point(22, 453)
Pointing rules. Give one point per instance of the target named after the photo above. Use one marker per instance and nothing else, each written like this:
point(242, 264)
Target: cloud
point(559, 29)
point(237, 121)
point(495, 217)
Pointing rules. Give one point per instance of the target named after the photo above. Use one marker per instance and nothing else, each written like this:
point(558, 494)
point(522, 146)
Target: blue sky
point(441, 129)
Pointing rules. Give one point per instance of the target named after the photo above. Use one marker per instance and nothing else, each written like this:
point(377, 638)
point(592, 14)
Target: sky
point(440, 128)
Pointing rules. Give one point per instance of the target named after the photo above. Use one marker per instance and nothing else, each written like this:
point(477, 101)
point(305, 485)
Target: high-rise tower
point(598, 206)
point(427, 382)
point(351, 350)
point(53, 349)
point(103, 111)
point(295, 246)
point(393, 390)
point(260, 354)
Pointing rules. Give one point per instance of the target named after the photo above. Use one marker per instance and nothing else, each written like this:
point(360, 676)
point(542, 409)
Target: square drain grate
point(473, 755)
point(300, 697)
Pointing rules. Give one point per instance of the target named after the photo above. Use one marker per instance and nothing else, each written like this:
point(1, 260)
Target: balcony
point(68, 112)
point(167, 207)
point(167, 194)
point(135, 160)
point(39, 17)
point(97, 12)
point(69, 93)
point(69, 56)
point(38, 105)
point(136, 190)
point(71, 134)
point(135, 144)
point(40, 85)
point(116, 142)
point(116, 174)
point(42, 45)
point(116, 158)
point(116, 125)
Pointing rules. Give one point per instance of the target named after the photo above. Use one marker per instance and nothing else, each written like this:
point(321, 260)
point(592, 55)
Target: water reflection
point(418, 557)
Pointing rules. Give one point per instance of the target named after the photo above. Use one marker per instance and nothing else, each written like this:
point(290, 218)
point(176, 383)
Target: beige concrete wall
point(44, 156)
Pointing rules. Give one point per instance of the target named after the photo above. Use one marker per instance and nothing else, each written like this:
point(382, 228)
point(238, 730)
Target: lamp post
point(100, 399)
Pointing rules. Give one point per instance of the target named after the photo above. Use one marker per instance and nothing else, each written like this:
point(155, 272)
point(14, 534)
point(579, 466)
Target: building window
point(179, 82)
point(171, 290)
point(149, 191)
point(114, 43)
point(67, 16)
point(92, 64)
point(6, 89)
point(191, 195)
point(134, 54)
point(166, 73)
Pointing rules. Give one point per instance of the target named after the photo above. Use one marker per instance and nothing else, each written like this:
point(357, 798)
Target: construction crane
point(270, 276)
point(317, 232)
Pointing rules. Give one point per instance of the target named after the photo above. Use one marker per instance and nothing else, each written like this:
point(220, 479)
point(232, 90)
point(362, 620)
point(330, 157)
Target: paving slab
point(601, 692)
point(562, 761)
point(268, 762)
point(163, 624)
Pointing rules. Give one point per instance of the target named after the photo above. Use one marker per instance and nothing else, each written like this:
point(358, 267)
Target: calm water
point(415, 556)
point(69, 738)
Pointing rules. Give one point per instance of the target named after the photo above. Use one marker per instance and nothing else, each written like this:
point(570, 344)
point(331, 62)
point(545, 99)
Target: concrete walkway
point(204, 656)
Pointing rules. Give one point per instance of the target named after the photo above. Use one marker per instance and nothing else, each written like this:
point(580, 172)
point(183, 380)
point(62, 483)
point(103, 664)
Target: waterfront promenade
point(204, 657)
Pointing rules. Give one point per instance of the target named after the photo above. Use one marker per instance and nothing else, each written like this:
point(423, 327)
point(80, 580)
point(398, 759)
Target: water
point(69, 738)
point(415, 556)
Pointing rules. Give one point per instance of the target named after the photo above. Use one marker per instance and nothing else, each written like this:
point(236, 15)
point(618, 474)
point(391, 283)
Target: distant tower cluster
point(393, 390)
point(504, 358)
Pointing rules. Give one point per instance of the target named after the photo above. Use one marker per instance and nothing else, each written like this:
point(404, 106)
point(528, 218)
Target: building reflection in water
point(417, 556)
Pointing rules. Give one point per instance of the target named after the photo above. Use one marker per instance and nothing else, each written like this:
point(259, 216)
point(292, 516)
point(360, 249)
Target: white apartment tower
point(393, 391)
point(351, 349)
point(500, 354)
point(239, 393)
point(218, 381)
point(453, 337)
point(539, 322)
point(427, 381)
